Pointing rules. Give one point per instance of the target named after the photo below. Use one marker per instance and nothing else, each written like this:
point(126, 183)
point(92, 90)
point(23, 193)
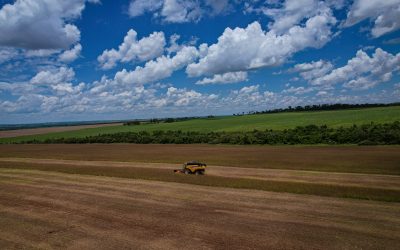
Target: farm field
point(278, 121)
point(353, 159)
point(252, 197)
point(46, 130)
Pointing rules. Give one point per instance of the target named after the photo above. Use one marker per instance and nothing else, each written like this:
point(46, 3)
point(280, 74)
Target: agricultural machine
point(192, 167)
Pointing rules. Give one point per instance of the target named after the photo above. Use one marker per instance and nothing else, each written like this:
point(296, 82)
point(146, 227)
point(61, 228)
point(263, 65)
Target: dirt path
point(348, 179)
point(48, 210)
point(38, 131)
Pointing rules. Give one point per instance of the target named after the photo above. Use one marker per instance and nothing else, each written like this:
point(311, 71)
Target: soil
point(342, 179)
point(368, 159)
point(50, 210)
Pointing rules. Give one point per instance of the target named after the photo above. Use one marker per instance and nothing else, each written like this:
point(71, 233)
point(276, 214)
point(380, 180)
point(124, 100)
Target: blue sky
point(125, 59)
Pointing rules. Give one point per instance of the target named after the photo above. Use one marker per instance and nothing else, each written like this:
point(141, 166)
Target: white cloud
point(40, 24)
point(140, 7)
point(158, 69)
point(251, 97)
point(40, 52)
point(298, 91)
point(49, 90)
point(292, 12)
point(7, 54)
point(183, 97)
point(362, 71)
point(24, 104)
point(107, 97)
point(322, 93)
point(132, 49)
point(173, 45)
point(230, 77)
point(384, 14)
point(178, 11)
point(310, 71)
point(70, 55)
point(249, 48)
point(53, 77)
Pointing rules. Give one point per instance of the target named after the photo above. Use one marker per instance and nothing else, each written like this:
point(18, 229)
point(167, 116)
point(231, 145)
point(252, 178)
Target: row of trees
point(154, 120)
point(321, 107)
point(368, 134)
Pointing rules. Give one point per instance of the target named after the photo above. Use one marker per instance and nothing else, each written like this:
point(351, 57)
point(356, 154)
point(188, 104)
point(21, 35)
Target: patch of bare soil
point(51, 210)
point(38, 131)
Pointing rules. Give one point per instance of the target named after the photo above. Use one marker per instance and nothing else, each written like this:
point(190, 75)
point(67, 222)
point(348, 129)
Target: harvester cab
point(192, 167)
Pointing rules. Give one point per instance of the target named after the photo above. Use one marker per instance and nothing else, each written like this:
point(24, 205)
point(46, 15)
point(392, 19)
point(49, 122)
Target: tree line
point(367, 134)
point(161, 120)
point(321, 107)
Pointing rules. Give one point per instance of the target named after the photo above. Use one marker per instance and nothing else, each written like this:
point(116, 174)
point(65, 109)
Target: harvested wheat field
point(59, 196)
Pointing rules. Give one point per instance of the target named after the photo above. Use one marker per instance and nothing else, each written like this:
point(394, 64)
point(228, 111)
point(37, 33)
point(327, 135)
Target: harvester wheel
point(197, 173)
point(187, 171)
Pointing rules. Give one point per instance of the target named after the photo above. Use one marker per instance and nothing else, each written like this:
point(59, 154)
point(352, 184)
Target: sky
point(82, 60)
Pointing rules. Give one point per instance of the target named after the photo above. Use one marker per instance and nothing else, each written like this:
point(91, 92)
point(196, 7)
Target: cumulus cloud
point(158, 69)
point(40, 24)
point(49, 90)
point(230, 77)
point(70, 55)
point(140, 7)
point(177, 11)
point(384, 14)
point(298, 91)
point(292, 12)
point(362, 71)
point(250, 96)
point(133, 49)
point(242, 49)
point(53, 76)
point(183, 97)
point(310, 71)
point(108, 97)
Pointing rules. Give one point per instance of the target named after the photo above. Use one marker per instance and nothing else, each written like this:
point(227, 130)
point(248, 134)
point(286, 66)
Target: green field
point(277, 121)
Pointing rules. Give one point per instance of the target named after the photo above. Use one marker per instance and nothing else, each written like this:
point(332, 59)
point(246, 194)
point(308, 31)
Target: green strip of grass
point(215, 181)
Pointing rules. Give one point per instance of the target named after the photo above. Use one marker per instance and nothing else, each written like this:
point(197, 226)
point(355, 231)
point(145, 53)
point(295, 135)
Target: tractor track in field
point(330, 178)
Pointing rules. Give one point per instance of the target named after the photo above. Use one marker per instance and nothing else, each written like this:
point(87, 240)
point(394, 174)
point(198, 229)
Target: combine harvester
point(192, 167)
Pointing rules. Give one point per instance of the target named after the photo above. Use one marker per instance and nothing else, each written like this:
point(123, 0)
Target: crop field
point(252, 197)
point(46, 130)
point(278, 121)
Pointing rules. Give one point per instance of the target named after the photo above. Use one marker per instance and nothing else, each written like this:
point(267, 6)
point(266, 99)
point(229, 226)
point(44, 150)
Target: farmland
point(279, 121)
point(104, 196)
point(127, 196)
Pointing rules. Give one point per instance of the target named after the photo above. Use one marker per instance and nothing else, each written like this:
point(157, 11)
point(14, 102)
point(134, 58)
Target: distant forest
point(321, 107)
point(368, 134)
